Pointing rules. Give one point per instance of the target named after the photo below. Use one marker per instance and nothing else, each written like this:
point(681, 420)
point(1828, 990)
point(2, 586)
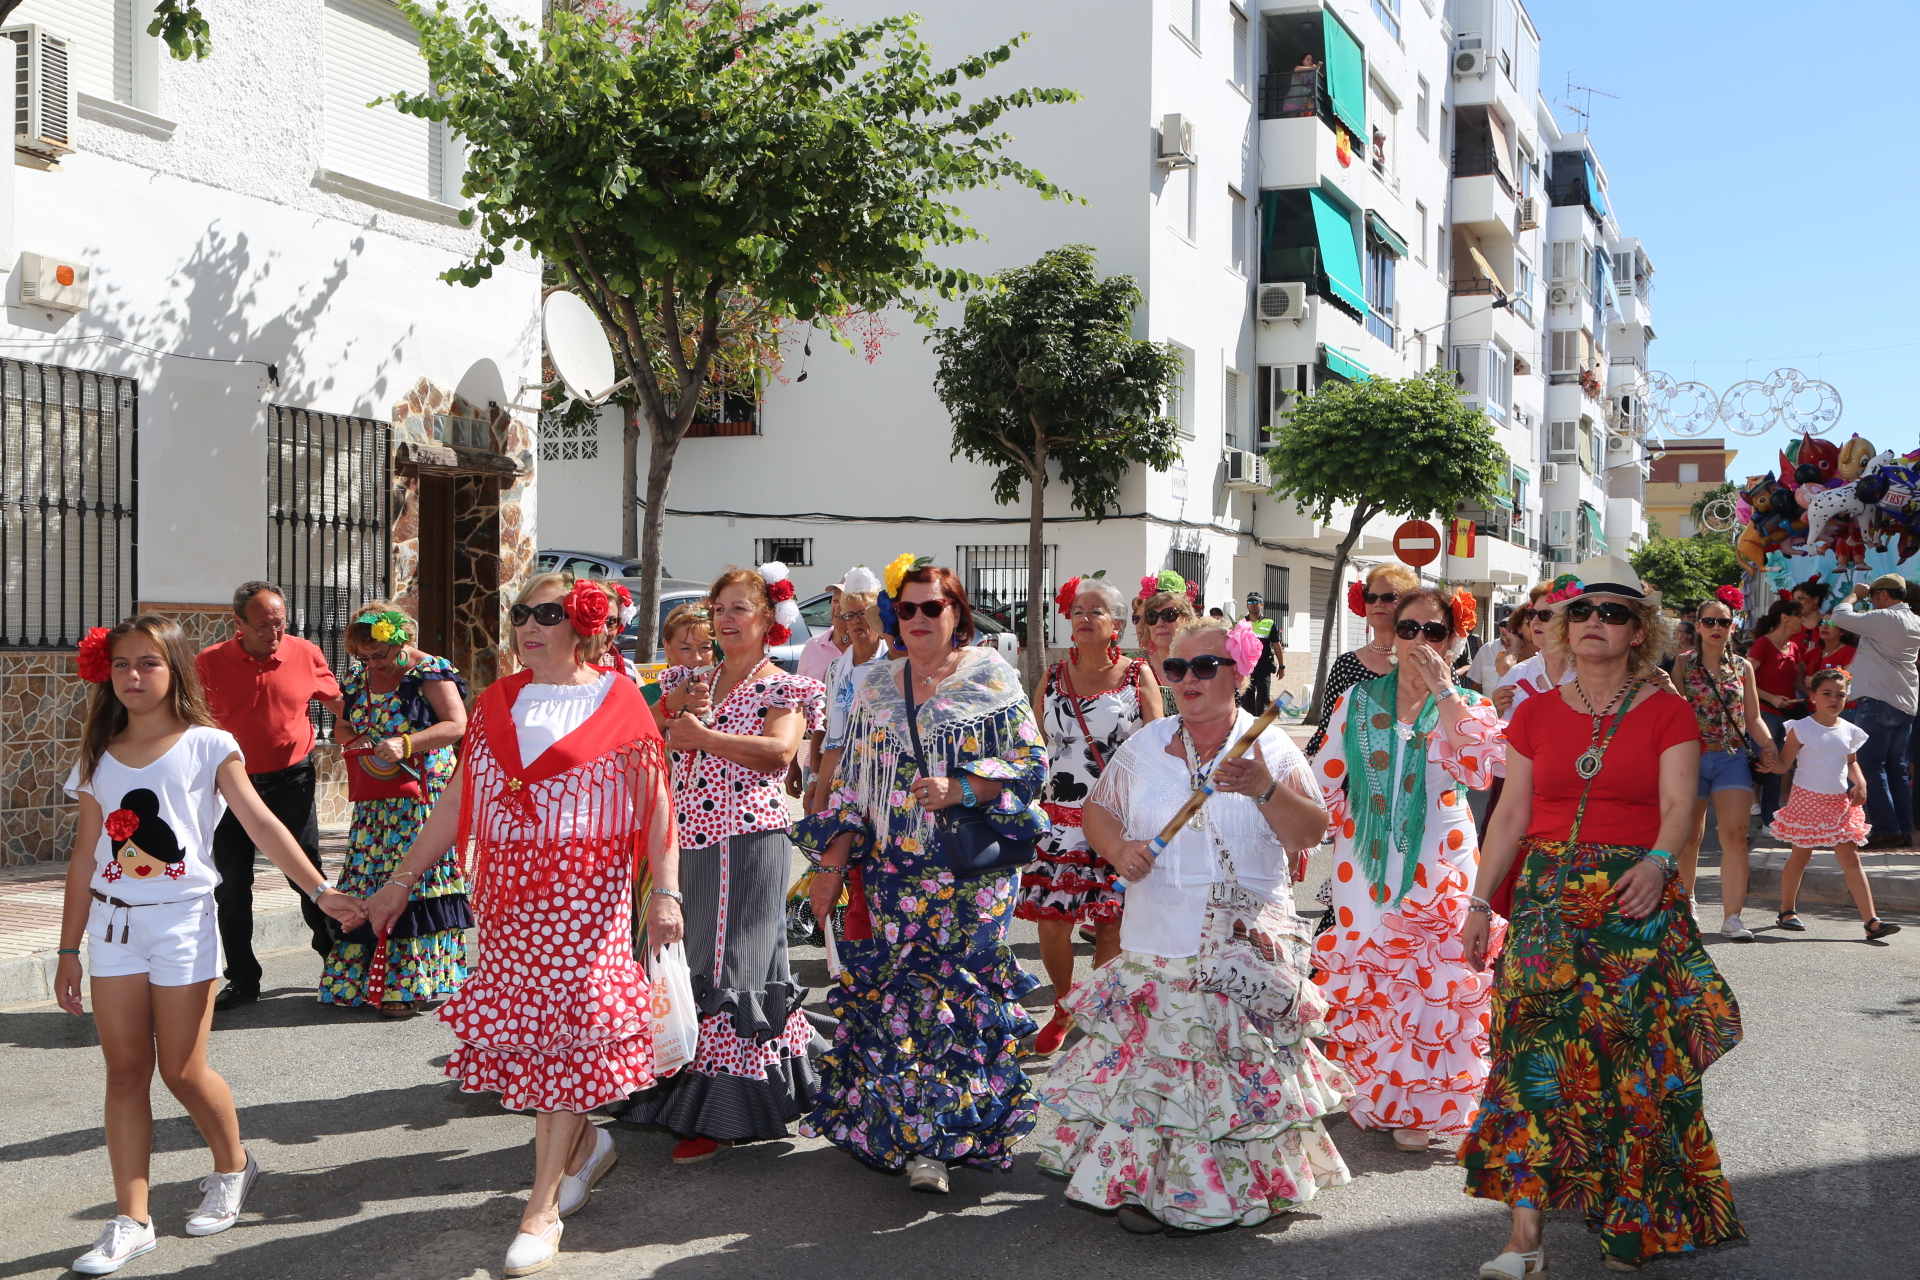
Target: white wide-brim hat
point(1608, 576)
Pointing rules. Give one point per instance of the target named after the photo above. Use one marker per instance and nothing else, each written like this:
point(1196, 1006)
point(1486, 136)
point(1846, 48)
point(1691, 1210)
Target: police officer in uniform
point(1258, 694)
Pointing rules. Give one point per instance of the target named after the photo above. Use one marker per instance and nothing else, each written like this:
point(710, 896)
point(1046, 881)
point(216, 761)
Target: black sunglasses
point(1534, 615)
point(1204, 667)
point(550, 614)
point(1385, 597)
point(1701, 622)
point(1408, 629)
point(931, 608)
point(1612, 612)
point(1154, 617)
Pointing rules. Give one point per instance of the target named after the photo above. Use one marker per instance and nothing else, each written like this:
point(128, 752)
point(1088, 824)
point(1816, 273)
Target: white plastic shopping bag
point(833, 952)
point(676, 1023)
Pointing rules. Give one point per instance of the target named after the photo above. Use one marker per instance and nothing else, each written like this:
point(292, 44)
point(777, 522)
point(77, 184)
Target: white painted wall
point(213, 247)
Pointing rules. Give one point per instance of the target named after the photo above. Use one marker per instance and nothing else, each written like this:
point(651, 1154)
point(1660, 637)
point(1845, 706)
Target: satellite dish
point(578, 348)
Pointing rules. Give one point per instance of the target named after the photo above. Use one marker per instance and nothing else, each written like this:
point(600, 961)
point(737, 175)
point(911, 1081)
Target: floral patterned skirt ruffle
point(1593, 1101)
point(1817, 820)
point(1410, 1017)
point(419, 969)
point(1069, 881)
point(1177, 1102)
point(925, 1060)
point(427, 952)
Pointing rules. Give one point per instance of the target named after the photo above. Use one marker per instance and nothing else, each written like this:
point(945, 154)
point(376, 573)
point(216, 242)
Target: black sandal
point(1789, 920)
point(1878, 928)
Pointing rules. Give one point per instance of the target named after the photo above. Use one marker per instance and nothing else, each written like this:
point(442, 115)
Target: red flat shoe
point(694, 1150)
point(1048, 1041)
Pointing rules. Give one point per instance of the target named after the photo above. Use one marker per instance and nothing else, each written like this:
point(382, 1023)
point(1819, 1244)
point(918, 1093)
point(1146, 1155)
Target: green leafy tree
point(704, 174)
point(1686, 570)
point(178, 22)
point(1045, 370)
point(1381, 446)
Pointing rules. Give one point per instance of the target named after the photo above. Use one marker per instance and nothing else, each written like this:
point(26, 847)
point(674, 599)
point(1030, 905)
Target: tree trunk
point(1335, 605)
point(630, 483)
point(1037, 601)
point(653, 532)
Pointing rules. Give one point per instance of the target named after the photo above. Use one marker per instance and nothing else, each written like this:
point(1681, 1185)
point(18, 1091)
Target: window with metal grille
point(68, 485)
point(570, 437)
point(995, 578)
point(792, 552)
point(328, 477)
point(1319, 582)
point(1190, 564)
point(1275, 588)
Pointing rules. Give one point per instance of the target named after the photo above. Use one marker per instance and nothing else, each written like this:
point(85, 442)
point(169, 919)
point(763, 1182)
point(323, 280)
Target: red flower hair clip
point(1466, 611)
point(122, 823)
point(1734, 598)
point(94, 658)
point(588, 607)
point(1357, 598)
point(1063, 598)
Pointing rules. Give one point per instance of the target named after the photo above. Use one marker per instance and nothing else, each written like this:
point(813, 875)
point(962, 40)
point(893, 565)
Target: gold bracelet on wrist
point(406, 743)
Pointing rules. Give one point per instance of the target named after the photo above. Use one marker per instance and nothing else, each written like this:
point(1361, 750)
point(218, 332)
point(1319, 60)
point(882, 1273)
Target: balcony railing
point(1294, 94)
point(1472, 286)
point(1479, 162)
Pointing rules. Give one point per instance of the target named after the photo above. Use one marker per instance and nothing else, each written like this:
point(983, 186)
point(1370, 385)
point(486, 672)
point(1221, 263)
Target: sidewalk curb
point(29, 979)
point(1898, 893)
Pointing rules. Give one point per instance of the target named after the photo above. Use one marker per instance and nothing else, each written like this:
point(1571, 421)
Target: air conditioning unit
point(51, 284)
point(1281, 302)
point(1529, 210)
point(1549, 472)
point(1176, 142)
point(1618, 443)
point(1246, 470)
point(42, 94)
point(1469, 58)
point(1560, 294)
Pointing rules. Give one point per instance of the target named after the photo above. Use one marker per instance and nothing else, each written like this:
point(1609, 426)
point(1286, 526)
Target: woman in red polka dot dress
point(1410, 1015)
point(561, 792)
point(732, 741)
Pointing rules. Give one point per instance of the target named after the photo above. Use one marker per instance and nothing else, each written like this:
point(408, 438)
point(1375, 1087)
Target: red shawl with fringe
point(585, 806)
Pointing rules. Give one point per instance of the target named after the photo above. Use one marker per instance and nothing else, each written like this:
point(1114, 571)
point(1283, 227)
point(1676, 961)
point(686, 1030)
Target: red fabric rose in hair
point(1734, 598)
point(1466, 611)
point(94, 661)
point(122, 823)
point(1357, 598)
point(588, 607)
point(625, 596)
point(781, 590)
point(778, 634)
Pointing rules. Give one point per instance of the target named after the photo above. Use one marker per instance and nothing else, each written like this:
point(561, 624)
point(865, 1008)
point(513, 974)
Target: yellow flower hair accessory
point(388, 627)
point(900, 566)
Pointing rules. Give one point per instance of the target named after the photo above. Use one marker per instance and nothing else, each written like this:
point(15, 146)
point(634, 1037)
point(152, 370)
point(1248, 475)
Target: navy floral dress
point(427, 947)
point(925, 1059)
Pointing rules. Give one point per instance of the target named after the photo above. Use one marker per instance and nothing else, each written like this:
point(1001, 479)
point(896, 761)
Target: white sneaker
point(574, 1187)
point(528, 1254)
point(226, 1195)
point(120, 1240)
point(924, 1174)
point(1732, 928)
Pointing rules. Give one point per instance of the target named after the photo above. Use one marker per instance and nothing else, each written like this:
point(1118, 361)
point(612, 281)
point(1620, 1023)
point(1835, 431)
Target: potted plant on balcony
point(1590, 383)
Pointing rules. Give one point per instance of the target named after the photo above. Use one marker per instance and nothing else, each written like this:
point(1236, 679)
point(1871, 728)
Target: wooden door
point(436, 564)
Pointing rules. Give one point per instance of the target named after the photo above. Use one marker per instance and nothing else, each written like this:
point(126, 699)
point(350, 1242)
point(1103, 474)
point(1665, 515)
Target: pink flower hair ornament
point(1565, 587)
point(1243, 647)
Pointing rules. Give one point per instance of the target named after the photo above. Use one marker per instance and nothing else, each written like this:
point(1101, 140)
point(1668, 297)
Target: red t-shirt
point(1774, 668)
point(1624, 804)
point(1816, 657)
point(262, 702)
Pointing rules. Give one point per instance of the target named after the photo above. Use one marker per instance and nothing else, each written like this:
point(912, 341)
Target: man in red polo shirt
point(258, 685)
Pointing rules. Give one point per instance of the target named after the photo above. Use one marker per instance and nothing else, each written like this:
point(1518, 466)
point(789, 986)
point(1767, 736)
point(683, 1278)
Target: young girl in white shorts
point(153, 779)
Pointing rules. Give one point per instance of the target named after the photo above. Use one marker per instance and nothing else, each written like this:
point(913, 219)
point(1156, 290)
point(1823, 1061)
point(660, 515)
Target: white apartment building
point(1288, 224)
point(226, 354)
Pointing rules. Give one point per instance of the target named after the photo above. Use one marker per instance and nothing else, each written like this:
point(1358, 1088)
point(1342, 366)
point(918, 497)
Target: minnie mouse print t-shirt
point(156, 843)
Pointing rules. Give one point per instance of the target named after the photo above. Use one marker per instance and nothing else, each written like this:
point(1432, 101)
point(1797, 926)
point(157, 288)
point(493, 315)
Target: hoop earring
point(1074, 656)
point(1113, 648)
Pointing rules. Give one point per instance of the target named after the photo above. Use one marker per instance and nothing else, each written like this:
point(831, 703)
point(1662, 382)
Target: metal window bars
point(995, 578)
point(69, 485)
point(328, 480)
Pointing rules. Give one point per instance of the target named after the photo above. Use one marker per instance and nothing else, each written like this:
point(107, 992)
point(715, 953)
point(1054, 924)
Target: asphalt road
point(378, 1168)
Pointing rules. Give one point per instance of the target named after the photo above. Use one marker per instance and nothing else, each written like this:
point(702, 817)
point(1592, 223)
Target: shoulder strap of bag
point(913, 717)
point(1099, 761)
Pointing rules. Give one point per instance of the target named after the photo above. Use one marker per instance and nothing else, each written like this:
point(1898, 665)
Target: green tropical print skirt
point(1602, 1028)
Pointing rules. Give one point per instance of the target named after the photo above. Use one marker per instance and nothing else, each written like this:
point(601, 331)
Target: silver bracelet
point(670, 893)
point(1480, 909)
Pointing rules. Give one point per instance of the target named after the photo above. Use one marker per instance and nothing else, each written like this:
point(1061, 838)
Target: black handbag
point(968, 841)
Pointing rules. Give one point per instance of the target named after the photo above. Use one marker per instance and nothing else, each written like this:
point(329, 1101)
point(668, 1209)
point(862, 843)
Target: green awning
point(1594, 526)
point(1350, 369)
point(1386, 234)
point(1339, 254)
point(1523, 475)
point(1346, 77)
point(1269, 218)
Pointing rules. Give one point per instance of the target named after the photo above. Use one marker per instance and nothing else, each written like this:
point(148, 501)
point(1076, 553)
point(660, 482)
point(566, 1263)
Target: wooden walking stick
point(1159, 843)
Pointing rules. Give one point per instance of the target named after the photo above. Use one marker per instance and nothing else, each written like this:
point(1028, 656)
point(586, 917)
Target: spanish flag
point(1460, 540)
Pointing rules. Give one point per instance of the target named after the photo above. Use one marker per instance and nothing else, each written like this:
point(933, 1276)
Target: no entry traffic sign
point(1416, 543)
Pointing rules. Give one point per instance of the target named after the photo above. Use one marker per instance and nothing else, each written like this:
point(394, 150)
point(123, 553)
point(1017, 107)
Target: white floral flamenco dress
point(1178, 1100)
point(1410, 1017)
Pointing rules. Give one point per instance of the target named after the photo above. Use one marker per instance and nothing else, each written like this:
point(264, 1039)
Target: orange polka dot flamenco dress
point(1410, 1017)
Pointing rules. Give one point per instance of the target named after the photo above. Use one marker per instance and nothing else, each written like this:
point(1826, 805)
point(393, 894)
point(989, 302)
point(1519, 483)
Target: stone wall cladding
point(42, 707)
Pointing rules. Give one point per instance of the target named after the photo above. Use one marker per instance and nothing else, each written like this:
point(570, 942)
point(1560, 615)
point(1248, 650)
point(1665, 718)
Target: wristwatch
point(319, 891)
point(1271, 788)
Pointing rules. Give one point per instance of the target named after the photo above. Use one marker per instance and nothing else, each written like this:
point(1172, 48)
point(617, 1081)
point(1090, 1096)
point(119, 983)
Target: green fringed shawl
point(1387, 816)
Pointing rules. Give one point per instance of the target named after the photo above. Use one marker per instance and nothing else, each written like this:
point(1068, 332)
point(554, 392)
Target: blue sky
point(1766, 155)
